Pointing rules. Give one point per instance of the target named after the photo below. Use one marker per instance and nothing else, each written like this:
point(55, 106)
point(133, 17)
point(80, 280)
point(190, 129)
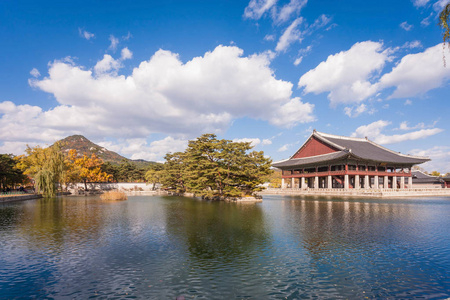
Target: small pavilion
point(328, 161)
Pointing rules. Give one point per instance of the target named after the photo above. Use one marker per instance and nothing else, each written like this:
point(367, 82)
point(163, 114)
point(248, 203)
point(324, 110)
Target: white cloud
point(126, 54)
point(114, 42)
point(418, 73)
point(355, 111)
point(161, 95)
point(290, 35)
point(404, 126)
point(269, 37)
point(420, 3)
point(408, 102)
point(374, 132)
point(253, 141)
point(298, 61)
point(406, 26)
point(266, 142)
point(35, 73)
point(439, 5)
point(85, 34)
point(284, 148)
point(107, 65)
point(347, 74)
point(257, 8)
point(293, 7)
point(139, 148)
point(127, 37)
point(440, 158)
point(413, 44)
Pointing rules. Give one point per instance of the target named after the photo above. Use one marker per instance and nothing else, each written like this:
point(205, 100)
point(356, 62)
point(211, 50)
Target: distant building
point(422, 180)
point(338, 162)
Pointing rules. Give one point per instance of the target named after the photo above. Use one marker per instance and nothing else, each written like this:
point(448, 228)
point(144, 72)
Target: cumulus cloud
point(85, 34)
point(108, 65)
point(35, 73)
point(266, 142)
point(347, 75)
point(440, 158)
point(126, 54)
point(269, 37)
point(408, 102)
point(406, 26)
point(114, 43)
point(162, 95)
point(257, 8)
point(418, 73)
point(374, 132)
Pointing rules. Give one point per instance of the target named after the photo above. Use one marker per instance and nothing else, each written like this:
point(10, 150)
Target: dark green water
point(284, 247)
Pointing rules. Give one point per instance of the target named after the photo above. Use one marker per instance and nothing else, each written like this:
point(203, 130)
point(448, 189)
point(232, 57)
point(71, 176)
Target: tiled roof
point(367, 149)
point(310, 160)
point(357, 147)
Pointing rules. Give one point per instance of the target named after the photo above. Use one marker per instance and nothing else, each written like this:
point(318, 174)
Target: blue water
point(282, 248)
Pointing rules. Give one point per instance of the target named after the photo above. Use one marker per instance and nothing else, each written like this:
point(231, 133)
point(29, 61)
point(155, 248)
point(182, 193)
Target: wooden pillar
point(346, 180)
point(402, 182)
point(386, 182)
point(394, 182)
point(357, 182)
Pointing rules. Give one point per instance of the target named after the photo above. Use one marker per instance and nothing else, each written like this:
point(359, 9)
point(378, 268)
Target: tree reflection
point(216, 230)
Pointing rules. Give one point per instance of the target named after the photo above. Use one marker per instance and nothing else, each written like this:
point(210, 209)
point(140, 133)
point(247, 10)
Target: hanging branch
point(444, 22)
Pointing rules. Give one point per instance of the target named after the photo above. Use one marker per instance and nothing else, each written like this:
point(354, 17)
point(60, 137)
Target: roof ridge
point(366, 140)
point(315, 155)
point(398, 153)
point(325, 135)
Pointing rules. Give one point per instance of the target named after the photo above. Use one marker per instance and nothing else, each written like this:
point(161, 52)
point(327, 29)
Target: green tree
point(154, 175)
point(216, 169)
point(173, 175)
point(46, 166)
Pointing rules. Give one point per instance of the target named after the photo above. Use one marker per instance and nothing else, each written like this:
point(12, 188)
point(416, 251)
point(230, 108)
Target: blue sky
point(143, 78)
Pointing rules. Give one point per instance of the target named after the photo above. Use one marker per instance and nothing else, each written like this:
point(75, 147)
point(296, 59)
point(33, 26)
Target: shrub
point(114, 196)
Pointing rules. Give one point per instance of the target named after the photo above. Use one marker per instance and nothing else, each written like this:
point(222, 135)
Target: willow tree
point(444, 23)
point(45, 166)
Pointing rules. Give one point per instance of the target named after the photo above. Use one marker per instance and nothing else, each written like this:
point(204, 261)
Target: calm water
point(285, 247)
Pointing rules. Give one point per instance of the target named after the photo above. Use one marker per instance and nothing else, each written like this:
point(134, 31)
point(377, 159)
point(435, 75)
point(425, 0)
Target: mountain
point(85, 146)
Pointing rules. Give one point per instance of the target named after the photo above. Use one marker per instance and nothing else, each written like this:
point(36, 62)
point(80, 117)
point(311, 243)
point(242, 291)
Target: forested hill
point(85, 146)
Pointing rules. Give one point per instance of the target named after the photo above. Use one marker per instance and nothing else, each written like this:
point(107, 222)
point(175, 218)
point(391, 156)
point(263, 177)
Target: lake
point(283, 248)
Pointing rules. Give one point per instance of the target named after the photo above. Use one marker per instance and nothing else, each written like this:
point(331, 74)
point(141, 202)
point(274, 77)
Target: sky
point(142, 78)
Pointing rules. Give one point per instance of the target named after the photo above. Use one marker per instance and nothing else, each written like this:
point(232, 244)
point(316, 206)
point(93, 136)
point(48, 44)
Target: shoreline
point(379, 193)
point(6, 199)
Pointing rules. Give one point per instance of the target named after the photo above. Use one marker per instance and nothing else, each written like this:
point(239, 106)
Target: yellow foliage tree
point(85, 168)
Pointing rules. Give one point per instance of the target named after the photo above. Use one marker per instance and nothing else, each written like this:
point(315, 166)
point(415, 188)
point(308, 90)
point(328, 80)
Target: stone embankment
point(19, 197)
point(370, 193)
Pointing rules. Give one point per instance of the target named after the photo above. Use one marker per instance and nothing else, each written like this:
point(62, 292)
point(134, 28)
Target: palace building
point(328, 161)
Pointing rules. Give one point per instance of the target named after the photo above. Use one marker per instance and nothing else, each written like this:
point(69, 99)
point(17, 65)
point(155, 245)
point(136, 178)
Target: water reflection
point(285, 247)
